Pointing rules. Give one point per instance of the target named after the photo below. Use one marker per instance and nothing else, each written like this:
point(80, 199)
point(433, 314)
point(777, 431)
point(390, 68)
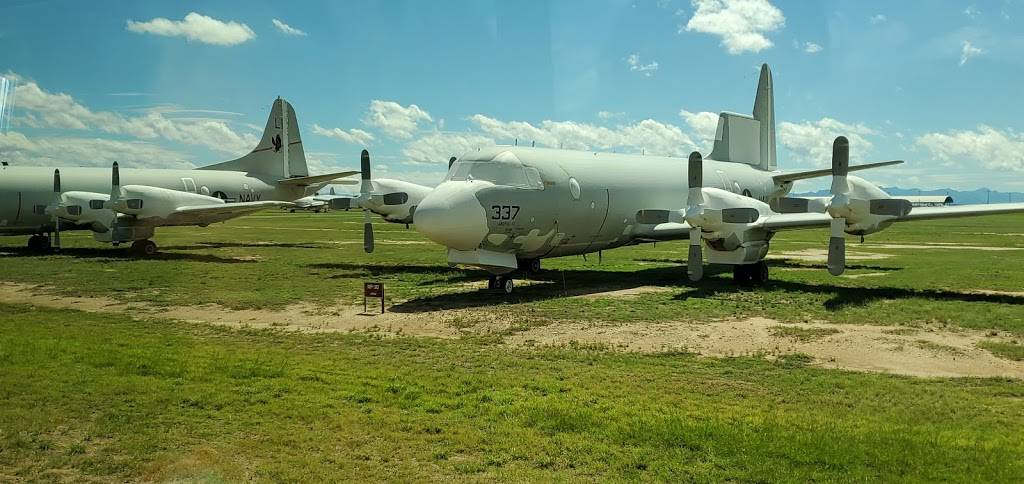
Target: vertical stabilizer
point(764, 113)
point(279, 153)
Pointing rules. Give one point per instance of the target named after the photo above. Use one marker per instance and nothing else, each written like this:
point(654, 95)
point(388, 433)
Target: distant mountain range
point(981, 195)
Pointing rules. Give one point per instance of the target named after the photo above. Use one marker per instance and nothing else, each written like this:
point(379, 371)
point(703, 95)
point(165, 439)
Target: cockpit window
point(512, 174)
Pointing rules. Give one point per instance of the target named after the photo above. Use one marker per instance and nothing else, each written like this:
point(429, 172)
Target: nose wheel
point(500, 284)
point(144, 248)
point(755, 274)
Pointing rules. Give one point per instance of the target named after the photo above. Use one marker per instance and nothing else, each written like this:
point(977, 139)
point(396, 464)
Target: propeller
point(848, 202)
point(695, 202)
point(115, 195)
point(451, 161)
point(365, 192)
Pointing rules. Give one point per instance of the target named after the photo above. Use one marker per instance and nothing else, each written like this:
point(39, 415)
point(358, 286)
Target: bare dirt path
point(925, 352)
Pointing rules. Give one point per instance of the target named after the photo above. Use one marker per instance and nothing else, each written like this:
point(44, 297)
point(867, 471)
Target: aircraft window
point(498, 173)
point(396, 198)
point(96, 204)
point(74, 210)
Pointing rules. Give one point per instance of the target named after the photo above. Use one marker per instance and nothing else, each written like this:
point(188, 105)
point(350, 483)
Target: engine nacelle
point(145, 201)
point(727, 222)
point(863, 207)
point(84, 208)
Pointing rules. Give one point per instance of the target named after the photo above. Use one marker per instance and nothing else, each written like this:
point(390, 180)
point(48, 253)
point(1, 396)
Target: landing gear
point(145, 248)
point(500, 284)
point(529, 266)
point(38, 243)
point(750, 274)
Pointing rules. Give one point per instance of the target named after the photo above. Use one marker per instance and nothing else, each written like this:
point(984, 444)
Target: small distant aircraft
point(43, 201)
point(505, 208)
point(317, 203)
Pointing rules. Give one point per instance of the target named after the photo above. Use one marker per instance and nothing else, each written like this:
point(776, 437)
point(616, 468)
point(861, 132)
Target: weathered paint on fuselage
point(22, 189)
point(612, 189)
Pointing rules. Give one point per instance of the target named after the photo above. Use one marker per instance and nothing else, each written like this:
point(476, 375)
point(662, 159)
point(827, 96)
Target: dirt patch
point(821, 255)
point(296, 317)
point(628, 293)
point(929, 352)
point(940, 246)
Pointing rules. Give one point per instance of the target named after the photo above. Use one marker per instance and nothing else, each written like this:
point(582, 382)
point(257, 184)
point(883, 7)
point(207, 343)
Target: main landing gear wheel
point(39, 243)
point(501, 284)
point(754, 274)
point(146, 248)
point(529, 266)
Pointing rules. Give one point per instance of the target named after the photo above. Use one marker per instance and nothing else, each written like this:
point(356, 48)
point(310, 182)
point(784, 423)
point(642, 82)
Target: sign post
point(373, 289)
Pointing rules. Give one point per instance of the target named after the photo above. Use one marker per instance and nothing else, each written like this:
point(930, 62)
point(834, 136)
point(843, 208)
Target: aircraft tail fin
point(279, 153)
point(750, 139)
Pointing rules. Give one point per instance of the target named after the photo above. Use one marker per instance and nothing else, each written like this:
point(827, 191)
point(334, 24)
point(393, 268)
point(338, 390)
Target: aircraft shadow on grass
point(244, 245)
point(559, 284)
point(123, 255)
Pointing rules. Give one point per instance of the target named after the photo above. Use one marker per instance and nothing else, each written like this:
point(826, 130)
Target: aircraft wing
point(305, 181)
point(208, 214)
point(803, 175)
point(797, 221)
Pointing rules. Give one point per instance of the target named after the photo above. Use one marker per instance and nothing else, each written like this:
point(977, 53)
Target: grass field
point(105, 396)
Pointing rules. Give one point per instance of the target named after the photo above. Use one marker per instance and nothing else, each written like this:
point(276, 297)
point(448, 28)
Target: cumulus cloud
point(704, 126)
point(648, 135)
point(196, 27)
point(610, 114)
point(992, 148)
point(878, 19)
point(636, 66)
point(287, 29)
point(352, 136)
point(742, 24)
point(811, 48)
point(43, 109)
point(394, 119)
point(21, 150)
point(812, 140)
point(968, 51)
point(439, 146)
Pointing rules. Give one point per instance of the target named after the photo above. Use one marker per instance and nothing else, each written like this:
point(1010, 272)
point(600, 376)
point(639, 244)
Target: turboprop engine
point(725, 220)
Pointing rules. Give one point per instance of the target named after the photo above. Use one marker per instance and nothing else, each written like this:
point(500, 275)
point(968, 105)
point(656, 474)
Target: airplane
point(39, 201)
point(316, 202)
point(504, 208)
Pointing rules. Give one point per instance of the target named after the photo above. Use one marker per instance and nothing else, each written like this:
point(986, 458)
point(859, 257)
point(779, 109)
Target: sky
point(184, 84)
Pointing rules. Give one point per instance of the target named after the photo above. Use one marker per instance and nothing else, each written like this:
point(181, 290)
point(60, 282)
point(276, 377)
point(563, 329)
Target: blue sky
point(189, 83)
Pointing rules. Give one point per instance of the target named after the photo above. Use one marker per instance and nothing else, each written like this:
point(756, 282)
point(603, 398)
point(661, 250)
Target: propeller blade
point(695, 174)
point(896, 207)
point(695, 260)
point(740, 215)
point(451, 161)
point(840, 156)
point(364, 161)
point(56, 181)
point(367, 232)
point(56, 210)
point(837, 247)
point(115, 182)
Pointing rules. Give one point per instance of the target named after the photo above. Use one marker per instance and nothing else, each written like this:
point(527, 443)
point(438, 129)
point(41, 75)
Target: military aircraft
point(318, 203)
point(39, 201)
point(505, 208)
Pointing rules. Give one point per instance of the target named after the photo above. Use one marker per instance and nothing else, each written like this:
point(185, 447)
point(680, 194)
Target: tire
point(149, 248)
point(507, 286)
point(740, 275)
point(759, 273)
point(492, 282)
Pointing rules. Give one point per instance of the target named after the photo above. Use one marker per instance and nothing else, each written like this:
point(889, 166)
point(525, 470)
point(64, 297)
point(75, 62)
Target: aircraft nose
point(451, 216)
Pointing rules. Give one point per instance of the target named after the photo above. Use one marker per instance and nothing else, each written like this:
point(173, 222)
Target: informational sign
point(373, 290)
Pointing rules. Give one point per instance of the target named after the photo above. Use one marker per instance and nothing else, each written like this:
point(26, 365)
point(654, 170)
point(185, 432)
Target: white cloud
point(878, 19)
point(20, 150)
point(704, 125)
point(742, 24)
point(972, 11)
point(610, 114)
point(287, 29)
point(812, 140)
point(42, 109)
point(812, 48)
point(352, 136)
point(968, 52)
point(992, 148)
point(197, 27)
point(648, 135)
point(439, 146)
point(394, 119)
point(636, 66)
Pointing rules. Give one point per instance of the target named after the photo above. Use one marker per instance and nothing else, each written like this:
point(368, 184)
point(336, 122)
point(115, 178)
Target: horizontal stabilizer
point(803, 175)
point(304, 181)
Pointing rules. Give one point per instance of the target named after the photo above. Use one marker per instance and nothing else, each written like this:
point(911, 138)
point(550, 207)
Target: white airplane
point(505, 208)
point(319, 203)
point(272, 175)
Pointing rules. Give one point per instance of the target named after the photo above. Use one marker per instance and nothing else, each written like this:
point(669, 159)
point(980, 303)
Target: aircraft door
point(595, 206)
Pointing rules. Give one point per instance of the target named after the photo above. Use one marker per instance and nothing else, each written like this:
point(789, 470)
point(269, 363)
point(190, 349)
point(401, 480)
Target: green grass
point(801, 334)
point(1004, 349)
point(90, 396)
point(273, 259)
